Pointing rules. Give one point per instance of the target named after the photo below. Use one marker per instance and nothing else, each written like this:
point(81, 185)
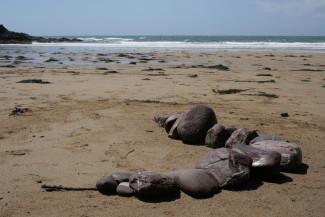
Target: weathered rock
point(171, 120)
point(264, 162)
point(160, 119)
point(267, 137)
point(241, 136)
point(124, 189)
point(216, 136)
point(121, 177)
point(106, 184)
point(196, 123)
point(291, 155)
point(228, 168)
point(173, 134)
point(195, 182)
point(148, 183)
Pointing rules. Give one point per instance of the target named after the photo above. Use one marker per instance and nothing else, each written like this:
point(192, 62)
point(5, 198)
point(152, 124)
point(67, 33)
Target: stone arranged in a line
point(236, 154)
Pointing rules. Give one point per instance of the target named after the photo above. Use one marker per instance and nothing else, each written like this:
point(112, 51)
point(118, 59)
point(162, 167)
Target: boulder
point(264, 162)
point(160, 119)
point(267, 137)
point(148, 183)
point(124, 189)
point(216, 136)
point(291, 155)
point(228, 168)
point(173, 134)
point(197, 183)
point(241, 136)
point(107, 184)
point(121, 177)
point(196, 123)
point(171, 120)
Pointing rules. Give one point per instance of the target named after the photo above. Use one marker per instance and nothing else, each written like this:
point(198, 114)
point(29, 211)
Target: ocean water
point(93, 45)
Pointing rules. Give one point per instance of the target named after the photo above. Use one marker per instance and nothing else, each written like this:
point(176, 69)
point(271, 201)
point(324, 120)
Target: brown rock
point(228, 168)
point(148, 183)
point(291, 155)
point(241, 136)
point(173, 134)
point(171, 120)
point(195, 182)
point(264, 162)
point(196, 123)
point(216, 136)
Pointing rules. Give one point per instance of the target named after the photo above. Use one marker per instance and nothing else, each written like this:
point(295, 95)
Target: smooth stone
point(160, 119)
point(173, 134)
point(228, 168)
point(267, 137)
point(264, 162)
point(291, 154)
point(124, 189)
point(121, 177)
point(148, 183)
point(196, 123)
point(216, 136)
point(197, 183)
point(241, 136)
point(106, 184)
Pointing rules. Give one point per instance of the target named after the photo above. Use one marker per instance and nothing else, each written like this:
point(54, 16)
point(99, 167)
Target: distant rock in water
point(10, 37)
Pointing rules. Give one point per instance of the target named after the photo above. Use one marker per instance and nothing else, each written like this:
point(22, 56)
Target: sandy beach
point(92, 120)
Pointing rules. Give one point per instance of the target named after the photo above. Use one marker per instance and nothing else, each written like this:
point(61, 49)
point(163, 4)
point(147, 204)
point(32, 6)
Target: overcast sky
point(167, 17)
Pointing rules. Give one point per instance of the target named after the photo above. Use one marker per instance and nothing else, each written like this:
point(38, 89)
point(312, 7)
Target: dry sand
point(87, 124)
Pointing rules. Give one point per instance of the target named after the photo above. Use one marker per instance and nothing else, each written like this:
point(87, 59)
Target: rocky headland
point(10, 37)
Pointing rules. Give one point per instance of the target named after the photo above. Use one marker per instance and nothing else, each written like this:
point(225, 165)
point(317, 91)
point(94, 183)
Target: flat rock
point(121, 177)
point(291, 155)
point(264, 162)
point(148, 183)
point(160, 119)
point(216, 136)
point(124, 189)
point(196, 123)
point(228, 168)
point(241, 136)
point(106, 184)
point(197, 183)
point(267, 137)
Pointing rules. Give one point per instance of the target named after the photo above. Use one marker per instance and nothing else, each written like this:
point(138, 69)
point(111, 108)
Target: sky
point(166, 17)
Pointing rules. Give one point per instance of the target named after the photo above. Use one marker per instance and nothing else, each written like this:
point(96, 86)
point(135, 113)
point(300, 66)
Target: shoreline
point(86, 120)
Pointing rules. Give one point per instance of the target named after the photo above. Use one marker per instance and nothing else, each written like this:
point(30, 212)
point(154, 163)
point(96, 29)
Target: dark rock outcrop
point(148, 183)
point(229, 168)
point(196, 123)
point(197, 183)
point(241, 136)
point(264, 162)
point(291, 155)
point(10, 37)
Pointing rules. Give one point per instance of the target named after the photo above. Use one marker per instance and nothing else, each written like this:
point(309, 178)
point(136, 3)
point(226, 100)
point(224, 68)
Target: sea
point(164, 43)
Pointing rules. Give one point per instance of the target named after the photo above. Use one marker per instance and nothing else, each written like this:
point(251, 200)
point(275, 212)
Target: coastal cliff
point(10, 37)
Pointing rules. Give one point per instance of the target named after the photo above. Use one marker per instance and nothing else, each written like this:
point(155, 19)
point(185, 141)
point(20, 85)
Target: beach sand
point(88, 123)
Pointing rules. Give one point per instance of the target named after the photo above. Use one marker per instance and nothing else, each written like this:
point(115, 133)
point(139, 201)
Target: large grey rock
point(228, 168)
point(173, 134)
point(148, 183)
point(121, 177)
point(264, 162)
point(267, 137)
point(124, 189)
point(171, 120)
point(216, 136)
point(241, 136)
point(107, 184)
point(291, 155)
point(196, 123)
point(195, 182)
point(160, 119)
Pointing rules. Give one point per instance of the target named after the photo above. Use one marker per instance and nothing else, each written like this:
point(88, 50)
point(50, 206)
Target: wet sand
point(93, 120)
